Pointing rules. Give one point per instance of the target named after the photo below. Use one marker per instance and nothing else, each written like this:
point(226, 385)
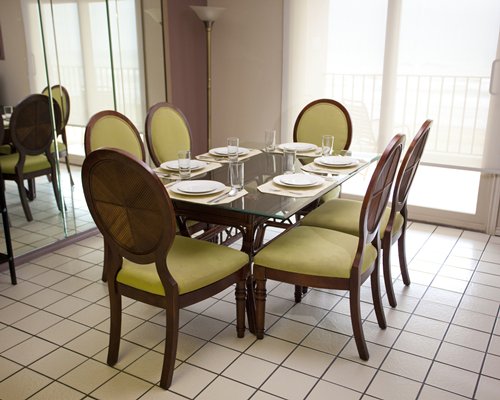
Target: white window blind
point(77, 43)
point(442, 61)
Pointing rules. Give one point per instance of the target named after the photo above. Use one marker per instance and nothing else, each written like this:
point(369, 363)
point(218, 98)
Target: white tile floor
point(442, 342)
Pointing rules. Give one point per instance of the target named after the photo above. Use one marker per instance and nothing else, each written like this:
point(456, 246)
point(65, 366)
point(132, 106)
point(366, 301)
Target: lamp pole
point(208, 15)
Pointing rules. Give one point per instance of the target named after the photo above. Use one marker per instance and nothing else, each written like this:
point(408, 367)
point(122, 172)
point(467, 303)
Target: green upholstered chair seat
point(331, 195)
point(32, 163)
point(60, 145)
point(5, 149)
point(314, 251)
point(193, 263)
point(343, 215)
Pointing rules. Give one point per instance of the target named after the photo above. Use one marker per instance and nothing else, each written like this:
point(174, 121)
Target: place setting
point(296, 185)
point(232, 152)
point(170, 169)
point(208, 191)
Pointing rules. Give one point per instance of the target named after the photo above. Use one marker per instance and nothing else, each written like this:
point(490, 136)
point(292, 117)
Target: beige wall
point(246, 69)
point(14, 84)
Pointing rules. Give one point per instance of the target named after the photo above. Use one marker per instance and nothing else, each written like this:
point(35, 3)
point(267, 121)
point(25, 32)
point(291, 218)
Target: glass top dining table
point(252, 209)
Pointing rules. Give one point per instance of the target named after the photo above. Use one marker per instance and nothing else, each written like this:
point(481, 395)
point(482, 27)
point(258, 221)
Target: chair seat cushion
point(5, 149)
point(343, 215)
point(314, 251)
point(60, 145)
point(32, 163)
point(193, 263)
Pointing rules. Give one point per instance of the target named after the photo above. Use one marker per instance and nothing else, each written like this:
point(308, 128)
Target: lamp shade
point(206, 13)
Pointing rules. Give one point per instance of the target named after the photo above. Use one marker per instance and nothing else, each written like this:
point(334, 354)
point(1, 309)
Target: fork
point(285, 191)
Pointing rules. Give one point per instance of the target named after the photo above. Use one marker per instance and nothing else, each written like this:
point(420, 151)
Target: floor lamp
point(208, 15)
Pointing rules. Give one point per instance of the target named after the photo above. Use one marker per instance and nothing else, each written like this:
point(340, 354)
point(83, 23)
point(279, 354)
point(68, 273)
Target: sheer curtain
point(393, 64)
point(79, 46)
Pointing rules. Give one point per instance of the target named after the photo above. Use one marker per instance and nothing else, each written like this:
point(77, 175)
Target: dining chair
point(112, 129)
point(32, 134)
point(317, 118)
point(343, 214)
point(147, 261)
point(167, 132)
point(61, 96)
point(324, 117)
point(309, 256)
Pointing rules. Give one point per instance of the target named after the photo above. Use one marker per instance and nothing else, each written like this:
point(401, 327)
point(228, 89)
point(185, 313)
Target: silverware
point(231, 193)
point(285, 191)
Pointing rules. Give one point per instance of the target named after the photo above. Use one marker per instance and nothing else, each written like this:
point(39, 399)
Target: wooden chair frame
point(374, 203)
point(121, 219)
point(32, 134)
point(65, 107)
point(404, 180)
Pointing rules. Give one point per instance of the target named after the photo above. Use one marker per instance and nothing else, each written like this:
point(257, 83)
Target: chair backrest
point(112, 129)
point(61, 96)
point(31, 128)
point(409, 167)
point(167, 132)
point(324, 117)
point(130, 207)
point(379, 190)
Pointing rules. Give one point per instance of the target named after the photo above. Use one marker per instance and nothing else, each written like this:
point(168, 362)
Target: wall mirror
point(107, 54)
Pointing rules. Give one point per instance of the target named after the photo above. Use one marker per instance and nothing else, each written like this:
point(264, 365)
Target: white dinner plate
point(298, 180)
point(298, 146)
point(198, 188)
point(336, 161)
point(222, 151)
point(173, 165)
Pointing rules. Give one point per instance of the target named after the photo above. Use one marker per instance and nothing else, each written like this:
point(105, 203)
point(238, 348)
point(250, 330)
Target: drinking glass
point(289, 157)
point(270, 140)
point(232, 148)
point(327, 145)
point(7, 110)
point(184, 159)
point(236, 174)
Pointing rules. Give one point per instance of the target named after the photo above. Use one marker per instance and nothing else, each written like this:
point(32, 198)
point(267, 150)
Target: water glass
point(184, 159)
point(7, 110)
point(327, 145)
point(270, 140)
point(232, 148)
point(236, 174)
point(289, 157)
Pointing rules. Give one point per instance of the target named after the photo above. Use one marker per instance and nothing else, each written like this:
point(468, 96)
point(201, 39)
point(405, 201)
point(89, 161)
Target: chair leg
point(240, 308)
point(298, 293)
point(56, 189)
point(386, 262)
point(69, 170)
point(24, 198)
point(31, 189)
point(357, 326)
point(402, 258)
point(115, 325)
point(260, 302)
point(172, 334)
point(377, 299)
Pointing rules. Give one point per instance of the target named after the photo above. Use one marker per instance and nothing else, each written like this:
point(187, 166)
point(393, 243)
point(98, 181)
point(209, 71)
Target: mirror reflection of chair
point(343, 214)
point(167, 132)
point(61, 96)
point(32, 135)
point(324, 258)
point(147, 261)
point(112, 129)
